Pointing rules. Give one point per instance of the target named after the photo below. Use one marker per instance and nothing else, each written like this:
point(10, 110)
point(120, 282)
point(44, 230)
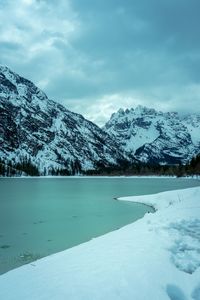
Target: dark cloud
point(123, 52)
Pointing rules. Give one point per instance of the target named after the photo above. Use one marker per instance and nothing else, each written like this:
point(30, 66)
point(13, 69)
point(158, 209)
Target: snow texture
point(157, 257)
point(154, 136)
point(32, 126)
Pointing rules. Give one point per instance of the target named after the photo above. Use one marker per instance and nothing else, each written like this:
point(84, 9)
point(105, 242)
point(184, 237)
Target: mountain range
point(154, 136)
point(33, 126)
point(38, 129)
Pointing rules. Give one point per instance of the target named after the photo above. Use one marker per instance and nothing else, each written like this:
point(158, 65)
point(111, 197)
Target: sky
point(96, 56)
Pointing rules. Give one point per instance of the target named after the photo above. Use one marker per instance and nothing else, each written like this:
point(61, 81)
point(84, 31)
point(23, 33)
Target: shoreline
point(100, 177)
point(195, 177)
point(121, 264)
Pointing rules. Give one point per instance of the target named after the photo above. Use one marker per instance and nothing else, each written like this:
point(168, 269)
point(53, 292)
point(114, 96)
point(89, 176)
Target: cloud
point(99, 110)
point(31, 30)
point(98, 56)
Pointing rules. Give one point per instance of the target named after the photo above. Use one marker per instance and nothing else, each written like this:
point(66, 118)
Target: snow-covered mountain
point(154, 136)
point(35, 127)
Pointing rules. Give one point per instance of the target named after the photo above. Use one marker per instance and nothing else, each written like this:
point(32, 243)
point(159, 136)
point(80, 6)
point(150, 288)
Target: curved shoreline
point(149, 208)
point(121, 264)
point(147, 205)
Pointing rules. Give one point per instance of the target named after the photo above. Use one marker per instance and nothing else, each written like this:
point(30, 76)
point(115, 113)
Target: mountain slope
point(155, 137)
point(32, 126)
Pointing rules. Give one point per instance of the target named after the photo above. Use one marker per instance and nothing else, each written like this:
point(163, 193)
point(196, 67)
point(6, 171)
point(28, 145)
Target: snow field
point(155, 258)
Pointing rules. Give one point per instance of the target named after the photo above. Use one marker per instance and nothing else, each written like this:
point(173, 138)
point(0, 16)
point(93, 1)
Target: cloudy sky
point(96, 56)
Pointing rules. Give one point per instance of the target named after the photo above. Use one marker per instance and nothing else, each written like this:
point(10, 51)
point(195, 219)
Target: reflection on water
point(39, 217)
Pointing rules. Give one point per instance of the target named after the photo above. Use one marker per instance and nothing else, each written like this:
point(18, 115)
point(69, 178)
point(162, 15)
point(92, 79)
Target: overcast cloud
point(96, 56)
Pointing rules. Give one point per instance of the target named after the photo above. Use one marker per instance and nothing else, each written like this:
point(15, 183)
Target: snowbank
point(155, 258)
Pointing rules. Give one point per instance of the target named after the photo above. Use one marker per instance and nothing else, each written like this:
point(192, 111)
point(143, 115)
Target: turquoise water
point(39, 217)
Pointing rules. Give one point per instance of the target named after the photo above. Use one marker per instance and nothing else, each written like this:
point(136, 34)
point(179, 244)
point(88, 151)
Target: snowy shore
point(155, 258)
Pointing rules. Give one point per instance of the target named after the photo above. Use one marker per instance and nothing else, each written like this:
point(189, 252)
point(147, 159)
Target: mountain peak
point(139, 109)
point(4, 68)
point(7, 71)
point(120, 111)
point(154, 136)
point(34, 127)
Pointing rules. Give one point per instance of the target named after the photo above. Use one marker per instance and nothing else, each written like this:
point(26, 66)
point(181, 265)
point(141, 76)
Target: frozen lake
point(39, 217)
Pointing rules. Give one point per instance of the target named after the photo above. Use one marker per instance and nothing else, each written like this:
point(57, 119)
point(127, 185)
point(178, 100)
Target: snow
point(156, 135)
point(157, 257)
point(50, 135)
point(140, 137)
point(193, 126)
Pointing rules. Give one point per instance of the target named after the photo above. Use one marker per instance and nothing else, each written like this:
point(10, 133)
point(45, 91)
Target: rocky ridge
point(37, 128)
point(154, 136)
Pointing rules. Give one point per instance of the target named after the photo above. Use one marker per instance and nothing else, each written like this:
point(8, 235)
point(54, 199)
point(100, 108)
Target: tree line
point(148, 169)
point(27, 168)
